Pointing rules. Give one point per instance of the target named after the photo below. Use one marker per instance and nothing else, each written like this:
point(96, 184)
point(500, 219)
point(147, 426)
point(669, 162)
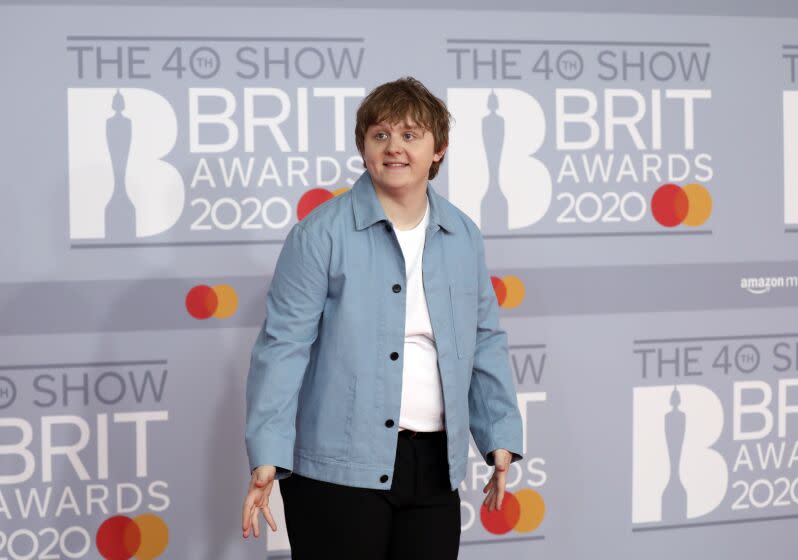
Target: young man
point(380, 351)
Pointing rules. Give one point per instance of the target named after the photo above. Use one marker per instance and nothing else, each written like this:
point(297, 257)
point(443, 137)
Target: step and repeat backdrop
point(636, 181)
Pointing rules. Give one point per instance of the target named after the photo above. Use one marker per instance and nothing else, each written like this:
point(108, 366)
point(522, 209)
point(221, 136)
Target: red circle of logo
point(500, 521)
point(310, 200)
point(499, 288)
point(201, 301)
point(669, 205)
point(118, 538)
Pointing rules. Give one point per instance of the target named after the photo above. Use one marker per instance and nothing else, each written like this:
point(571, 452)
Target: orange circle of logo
point(154, 536)
point(509, 290)
point(533, 509)
point(700, 204)
point(515, 291)
point(228, 301)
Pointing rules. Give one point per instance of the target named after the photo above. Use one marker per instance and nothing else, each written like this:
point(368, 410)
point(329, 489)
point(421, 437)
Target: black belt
point(421, 435)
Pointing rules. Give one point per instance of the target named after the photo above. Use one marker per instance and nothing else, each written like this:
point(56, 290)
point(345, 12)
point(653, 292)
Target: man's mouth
point(395, 164)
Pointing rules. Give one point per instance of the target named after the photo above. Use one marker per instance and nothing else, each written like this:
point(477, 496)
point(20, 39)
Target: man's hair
point(393, 102)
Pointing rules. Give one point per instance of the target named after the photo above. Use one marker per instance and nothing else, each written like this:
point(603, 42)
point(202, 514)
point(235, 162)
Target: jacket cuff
point(514, 456)
point(267, 448)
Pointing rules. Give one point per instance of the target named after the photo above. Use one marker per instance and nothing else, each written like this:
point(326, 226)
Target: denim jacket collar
point(368, 210)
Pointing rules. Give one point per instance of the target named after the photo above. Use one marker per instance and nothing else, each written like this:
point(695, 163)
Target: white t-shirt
point(422, 396)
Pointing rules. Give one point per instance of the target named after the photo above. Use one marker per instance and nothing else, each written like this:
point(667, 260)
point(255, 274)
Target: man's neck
point(406, 207)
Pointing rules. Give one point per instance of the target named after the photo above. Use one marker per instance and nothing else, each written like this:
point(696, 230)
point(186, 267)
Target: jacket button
point(384, 478)
point(389, 423)
point(394, 356)
point(397, 288)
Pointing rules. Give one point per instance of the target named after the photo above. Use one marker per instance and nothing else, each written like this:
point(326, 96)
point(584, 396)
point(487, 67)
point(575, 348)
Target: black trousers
point(417, 519)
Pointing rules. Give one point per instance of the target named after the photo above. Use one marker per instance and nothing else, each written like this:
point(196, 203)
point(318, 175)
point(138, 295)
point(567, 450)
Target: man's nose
point(393, 145)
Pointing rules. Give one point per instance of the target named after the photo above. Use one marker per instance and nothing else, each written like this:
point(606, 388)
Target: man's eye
point(380, 136)
point(409, 135)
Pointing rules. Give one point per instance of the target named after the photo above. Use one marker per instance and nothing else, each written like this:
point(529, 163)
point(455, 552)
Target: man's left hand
point(495, 486)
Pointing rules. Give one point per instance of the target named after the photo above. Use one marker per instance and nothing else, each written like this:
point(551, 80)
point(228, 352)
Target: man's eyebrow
point(399, 126)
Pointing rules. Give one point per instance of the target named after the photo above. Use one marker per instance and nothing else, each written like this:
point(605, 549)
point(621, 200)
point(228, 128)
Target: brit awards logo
point(721, 450)
point(168, 165)
point(591, 145)
point(144, 170)
point(120, 186)
point(81, 441)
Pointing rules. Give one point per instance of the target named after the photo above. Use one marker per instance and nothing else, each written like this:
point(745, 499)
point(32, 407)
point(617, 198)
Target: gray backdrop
point(656, 365)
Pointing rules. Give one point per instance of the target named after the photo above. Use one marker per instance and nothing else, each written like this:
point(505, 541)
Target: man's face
point(399, 155)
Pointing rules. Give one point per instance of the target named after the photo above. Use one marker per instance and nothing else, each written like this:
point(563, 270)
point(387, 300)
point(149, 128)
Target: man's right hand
point(260, 486)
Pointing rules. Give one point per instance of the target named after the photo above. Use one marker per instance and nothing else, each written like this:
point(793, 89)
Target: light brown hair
point(393, 102)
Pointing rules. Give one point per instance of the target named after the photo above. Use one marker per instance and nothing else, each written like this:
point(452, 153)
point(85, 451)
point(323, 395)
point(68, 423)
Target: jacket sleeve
point(281, 353)
point(495, 420)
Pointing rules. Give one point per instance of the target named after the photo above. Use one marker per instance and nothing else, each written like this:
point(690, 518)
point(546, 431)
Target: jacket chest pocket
point(463, 305)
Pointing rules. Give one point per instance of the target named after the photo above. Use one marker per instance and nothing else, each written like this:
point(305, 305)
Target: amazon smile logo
point(763, 284)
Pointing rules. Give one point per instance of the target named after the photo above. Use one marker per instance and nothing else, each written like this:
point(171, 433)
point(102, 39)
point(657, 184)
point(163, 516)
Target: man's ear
point(437, 156)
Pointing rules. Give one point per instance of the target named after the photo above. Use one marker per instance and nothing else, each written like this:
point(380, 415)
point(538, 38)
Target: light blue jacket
point(325, 381)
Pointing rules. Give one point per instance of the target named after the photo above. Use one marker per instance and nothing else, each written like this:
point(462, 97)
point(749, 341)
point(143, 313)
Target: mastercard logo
point(144, 537)
point(219, 301)
point(523, 511)
point(509, 290)
point(672, 205)
point(313, 198)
